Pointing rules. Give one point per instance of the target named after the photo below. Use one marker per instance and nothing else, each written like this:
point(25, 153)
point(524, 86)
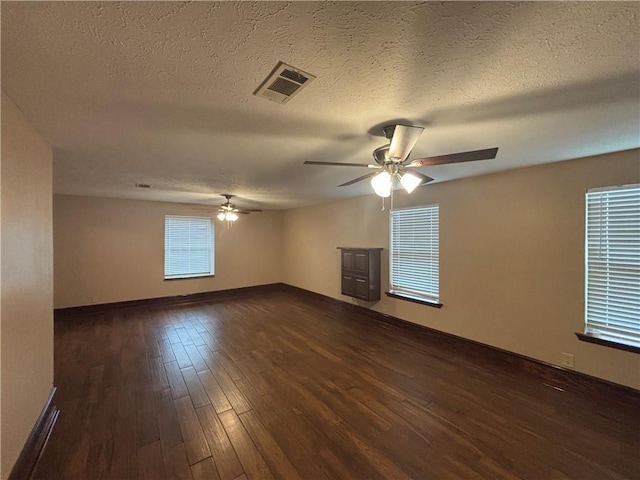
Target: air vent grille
point(295, 76)
point(283, 86)
point(284, 82)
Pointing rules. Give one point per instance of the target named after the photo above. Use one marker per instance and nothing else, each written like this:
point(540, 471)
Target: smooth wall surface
point(511, 258)
point(26, 319)
point(112, 250)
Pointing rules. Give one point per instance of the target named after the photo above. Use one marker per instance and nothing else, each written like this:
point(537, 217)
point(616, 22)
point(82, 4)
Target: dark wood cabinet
point(360, 273)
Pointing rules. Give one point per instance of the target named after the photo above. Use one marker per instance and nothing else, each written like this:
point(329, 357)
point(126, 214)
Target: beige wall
point(511, 257)
point(111, 250)
point(26, 319)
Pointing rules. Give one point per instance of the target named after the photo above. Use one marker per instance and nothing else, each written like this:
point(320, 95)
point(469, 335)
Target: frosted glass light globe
point(381, 184)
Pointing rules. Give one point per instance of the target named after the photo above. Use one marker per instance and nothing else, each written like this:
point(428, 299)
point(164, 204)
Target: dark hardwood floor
point(279, 385)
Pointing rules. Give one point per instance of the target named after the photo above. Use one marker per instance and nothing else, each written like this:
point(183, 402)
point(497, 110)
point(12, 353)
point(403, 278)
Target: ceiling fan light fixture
point(382, 184)
point(228, 216)
point(410, 181)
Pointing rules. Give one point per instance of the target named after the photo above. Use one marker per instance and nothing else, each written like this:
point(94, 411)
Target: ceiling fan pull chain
point(391, 198)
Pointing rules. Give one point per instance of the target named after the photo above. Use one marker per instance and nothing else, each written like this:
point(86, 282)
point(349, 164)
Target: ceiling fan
point(392, 161)
point(228, 211)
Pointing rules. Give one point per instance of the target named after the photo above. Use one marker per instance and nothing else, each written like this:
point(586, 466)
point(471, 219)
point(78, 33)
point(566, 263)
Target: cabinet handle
point(360, 280)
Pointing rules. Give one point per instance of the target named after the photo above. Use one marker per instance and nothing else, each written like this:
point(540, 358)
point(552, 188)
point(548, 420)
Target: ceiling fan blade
point(425, 179)
point(486, 154)
point(338, 164)
point(249, 210)
point(359, 179)
point(403, 140)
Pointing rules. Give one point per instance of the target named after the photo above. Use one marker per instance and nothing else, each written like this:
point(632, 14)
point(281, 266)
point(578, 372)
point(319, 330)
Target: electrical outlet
point(568, 360)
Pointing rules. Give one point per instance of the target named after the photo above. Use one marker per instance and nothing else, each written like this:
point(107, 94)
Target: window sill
point(414, 300)
point(188, 278)
point(585, 337)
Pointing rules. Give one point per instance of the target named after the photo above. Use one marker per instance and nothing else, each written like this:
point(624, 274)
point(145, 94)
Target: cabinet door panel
point(347, 260)
point(362, 288)
point(361, 262)
point(348, 285)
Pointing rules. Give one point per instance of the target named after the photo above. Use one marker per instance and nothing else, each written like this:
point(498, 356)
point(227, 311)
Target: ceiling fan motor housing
point(388, 131)
point(381, 155)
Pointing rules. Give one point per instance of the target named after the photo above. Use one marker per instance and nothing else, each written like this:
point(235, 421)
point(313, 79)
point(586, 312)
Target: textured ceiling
point(161, 92)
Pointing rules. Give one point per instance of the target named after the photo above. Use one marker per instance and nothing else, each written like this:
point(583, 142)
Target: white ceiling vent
point(284, 83)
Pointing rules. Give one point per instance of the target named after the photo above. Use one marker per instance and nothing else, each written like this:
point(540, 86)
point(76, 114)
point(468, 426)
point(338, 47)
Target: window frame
point(600, 301)
point(424, 297)
point(211, 249)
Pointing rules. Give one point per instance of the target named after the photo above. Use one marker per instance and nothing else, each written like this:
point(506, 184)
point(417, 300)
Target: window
point(612, 271)
point(188, 247)
point(414, 253)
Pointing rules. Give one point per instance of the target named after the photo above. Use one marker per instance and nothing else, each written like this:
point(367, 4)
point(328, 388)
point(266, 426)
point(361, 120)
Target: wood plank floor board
point(164, 345)
point(195, 329)
point(152, 348)
point(146, 418)
point(252, 461)
point(150, 462)
point(176, 380)
point(195, 442)
point(196, 357)
point(269, 406)
point(224, 456)
point(271, 452)
point(176, 463)
point(168, 424)
point(228, 364)
point(301, 440)
point(181, 355)
point(197, 393)
point(205, 470)
point(169, 330)
point(298, 454)
point(237, 400)
point(102, 415)
point(214, 391)
point(184, 336)
point(301, 396)
point(159, 379)
point(284, 385)
point(124, 463)
point(211, 342)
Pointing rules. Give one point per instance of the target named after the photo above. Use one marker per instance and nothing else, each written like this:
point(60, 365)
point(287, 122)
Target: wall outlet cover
point(568, 360)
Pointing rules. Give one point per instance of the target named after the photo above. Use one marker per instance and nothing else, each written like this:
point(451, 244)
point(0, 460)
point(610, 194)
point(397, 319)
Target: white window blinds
point(414, 252)
point(188, 246)
point(613, 264)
